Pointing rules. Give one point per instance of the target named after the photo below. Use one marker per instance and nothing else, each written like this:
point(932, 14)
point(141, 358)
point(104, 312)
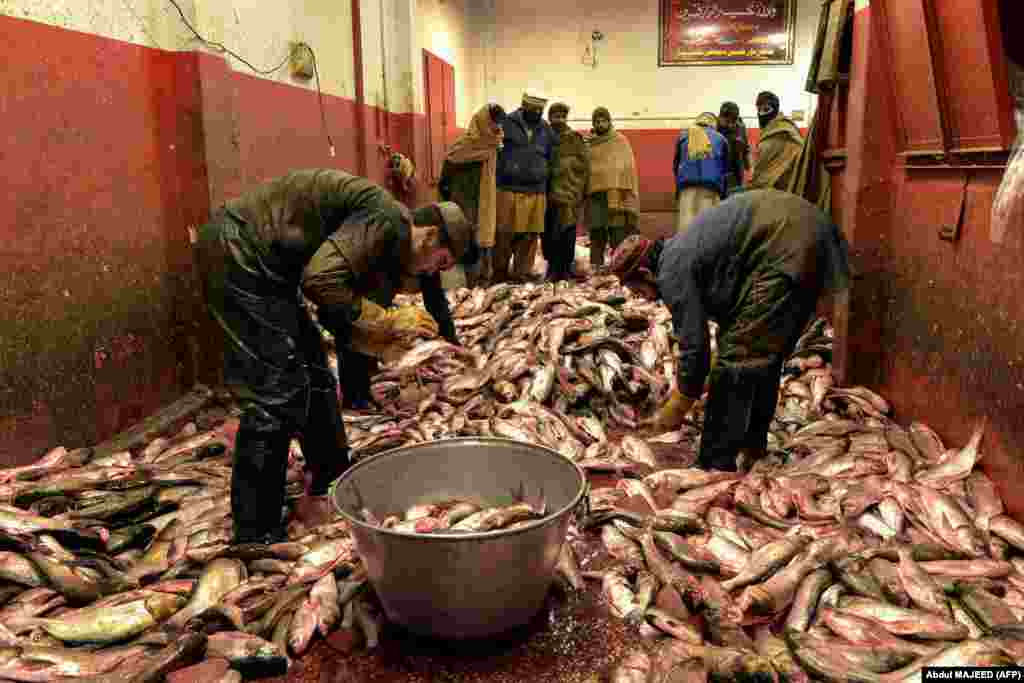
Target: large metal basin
point(466, 585)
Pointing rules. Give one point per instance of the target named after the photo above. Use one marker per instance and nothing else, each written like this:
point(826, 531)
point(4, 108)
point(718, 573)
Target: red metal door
point(439, 89)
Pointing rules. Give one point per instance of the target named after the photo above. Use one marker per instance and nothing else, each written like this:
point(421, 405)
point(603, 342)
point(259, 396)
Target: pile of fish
point(555, 365)
point(455, 516)
point(115, 563)
point(857, 550)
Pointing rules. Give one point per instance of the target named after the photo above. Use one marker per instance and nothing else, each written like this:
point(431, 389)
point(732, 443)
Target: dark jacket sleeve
point(329, 282)
point(691, 326)
point(436, 303)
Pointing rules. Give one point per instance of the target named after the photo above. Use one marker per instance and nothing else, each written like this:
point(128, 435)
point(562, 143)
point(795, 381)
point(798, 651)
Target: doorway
point(439, 90)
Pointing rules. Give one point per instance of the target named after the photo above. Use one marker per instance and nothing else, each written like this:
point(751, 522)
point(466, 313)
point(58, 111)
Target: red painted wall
point(112, 150)
point(100, 179)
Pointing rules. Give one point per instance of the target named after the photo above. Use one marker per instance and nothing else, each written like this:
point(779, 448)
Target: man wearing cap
point(699, 168)
point(732, 127)
point(522, 179)
point(756, 264)
point(569, 171)
point(779, 147)
point(334, 238)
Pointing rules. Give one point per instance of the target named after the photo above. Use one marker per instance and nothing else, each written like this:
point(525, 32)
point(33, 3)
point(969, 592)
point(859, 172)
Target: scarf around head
point(480, 143)
point(699, 144)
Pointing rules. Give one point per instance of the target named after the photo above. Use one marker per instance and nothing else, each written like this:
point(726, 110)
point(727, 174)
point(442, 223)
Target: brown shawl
point(613, 170)
point(480, 143)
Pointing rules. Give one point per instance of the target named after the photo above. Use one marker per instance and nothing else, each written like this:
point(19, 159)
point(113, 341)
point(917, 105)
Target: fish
point(568, 567)
point(766, 560)
point(251, 656)
point(903, 621)
point(957, 467)
point(924, 591)
point(806, 601)
point(219, 577)
point(111, 624)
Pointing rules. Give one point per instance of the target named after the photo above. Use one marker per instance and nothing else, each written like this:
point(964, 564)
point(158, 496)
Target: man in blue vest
point(700, 168)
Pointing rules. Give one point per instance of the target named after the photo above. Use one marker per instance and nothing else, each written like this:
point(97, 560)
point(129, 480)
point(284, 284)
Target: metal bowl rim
point(549, 518)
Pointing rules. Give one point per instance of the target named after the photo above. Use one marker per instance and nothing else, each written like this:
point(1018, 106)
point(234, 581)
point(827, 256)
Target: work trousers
point(560, 245)
point(357, 369)
point(276, 366)
point(514, 255)
point(691, 201)
point(744, 389)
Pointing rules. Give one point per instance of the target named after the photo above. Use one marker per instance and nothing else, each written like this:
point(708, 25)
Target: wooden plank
point(168, 417)
point(973, 73)
point(936, 52)
point(910, 69)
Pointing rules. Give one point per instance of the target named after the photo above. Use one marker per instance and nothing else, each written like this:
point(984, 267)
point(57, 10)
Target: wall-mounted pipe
point(363, 148)
point(385, 105)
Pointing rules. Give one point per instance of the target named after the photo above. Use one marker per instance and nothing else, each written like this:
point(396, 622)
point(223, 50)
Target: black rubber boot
point(257, 486)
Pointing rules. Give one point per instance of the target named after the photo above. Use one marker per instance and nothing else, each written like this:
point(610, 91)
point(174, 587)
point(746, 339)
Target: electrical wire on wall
point(220, 47)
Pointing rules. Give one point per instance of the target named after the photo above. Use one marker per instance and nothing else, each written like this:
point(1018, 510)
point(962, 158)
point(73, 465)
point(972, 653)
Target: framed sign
point(724, 32)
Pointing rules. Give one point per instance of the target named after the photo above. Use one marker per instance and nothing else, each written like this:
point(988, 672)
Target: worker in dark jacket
point(699, 168)
point(334, 238)
point(570, 168)
point(732, 127)
point(756, 264)
point(522, 179)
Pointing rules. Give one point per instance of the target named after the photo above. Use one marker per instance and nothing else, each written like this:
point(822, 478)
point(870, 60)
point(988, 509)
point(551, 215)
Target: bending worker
point(334, 238)
point(756, 264)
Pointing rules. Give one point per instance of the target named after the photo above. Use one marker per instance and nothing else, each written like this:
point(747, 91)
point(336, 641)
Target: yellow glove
point(671, 415)
point(371, 312)
point(373, 330)
point(411, 319)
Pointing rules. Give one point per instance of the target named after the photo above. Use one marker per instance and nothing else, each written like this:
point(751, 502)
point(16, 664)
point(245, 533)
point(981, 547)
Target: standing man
point(570, 168)
point(468, 178)
point(613, 189)
point(699, 167)
point(732, 127)
point(756, 264)
point(779, 148)
point(523, 174)
point(334, 238)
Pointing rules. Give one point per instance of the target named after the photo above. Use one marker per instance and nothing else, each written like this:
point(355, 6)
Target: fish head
point(163, 605)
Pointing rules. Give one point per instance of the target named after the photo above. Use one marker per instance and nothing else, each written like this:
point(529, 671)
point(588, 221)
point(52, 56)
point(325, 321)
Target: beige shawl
point(613, 170)
point(480, 143)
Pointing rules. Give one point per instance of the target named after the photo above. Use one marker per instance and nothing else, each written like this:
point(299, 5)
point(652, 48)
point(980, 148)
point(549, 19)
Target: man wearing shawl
point(468, 178)
point(779, 148)
point(569, 170)
point(523, 174)
point(756, 264)
point(613, 188)
point(699, 167)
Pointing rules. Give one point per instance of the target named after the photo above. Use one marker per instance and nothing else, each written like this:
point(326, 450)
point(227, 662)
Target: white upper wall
point(445, 28)
point(257, 30)
point(541, 43)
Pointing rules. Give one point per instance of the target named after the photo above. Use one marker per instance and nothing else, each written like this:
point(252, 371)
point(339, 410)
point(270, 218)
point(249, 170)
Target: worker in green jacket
point(336, 239)
point(756, 264)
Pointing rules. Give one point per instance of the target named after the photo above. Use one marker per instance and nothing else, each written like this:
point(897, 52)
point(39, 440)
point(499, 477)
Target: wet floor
point(573, 639)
